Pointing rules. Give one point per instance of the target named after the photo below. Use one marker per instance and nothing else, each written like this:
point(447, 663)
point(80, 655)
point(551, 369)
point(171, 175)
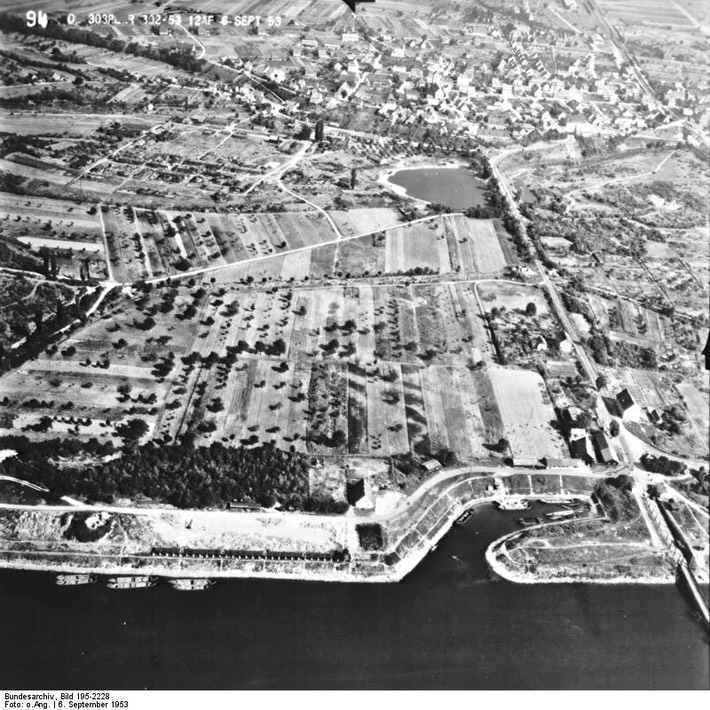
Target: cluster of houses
point(594, 447)
point(508, 96)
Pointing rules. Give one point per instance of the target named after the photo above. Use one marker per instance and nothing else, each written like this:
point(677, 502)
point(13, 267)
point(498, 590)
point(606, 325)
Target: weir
point(687, 576)
point(684, 569)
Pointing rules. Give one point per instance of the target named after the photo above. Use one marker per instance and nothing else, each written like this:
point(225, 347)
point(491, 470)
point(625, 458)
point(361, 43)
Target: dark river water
point(447, 625)
point(456, 187)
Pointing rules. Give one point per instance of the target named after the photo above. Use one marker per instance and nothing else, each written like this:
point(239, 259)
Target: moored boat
point(140, 582)
point(527, 522)
point(463, 517)
point(507, 504)
point(72, 580)
point(561, 514)
point(192, 585)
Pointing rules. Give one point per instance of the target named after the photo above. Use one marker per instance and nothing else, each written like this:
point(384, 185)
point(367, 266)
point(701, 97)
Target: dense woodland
point(662, 464)
point(616, 498)
point(181, 475)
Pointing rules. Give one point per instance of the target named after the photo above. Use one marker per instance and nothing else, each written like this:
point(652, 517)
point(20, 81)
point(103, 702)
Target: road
point(112, 154)
point(105, 286)
point(692, 19)
point(618, 42)
point(109, 268)
point(275, 255)
point(640, 497)
point(569, 329)
point(279, 171)
point(589, 366)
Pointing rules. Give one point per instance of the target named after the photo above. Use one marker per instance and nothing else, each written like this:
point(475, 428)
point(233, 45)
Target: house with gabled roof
point(627, 405)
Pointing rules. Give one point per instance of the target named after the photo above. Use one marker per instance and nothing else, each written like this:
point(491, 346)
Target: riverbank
point(277, 545)
point(267, 544)
point(499, 560)
point(357, 636)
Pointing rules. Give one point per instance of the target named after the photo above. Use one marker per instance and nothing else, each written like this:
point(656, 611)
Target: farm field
point(35, 169)
point(364, 221)
point(155, 243)
point(512, 297)
point(446, 244)
point(370, 370)
point(647, 11)
point(526, 412)
point(415, 247)
point(47, 218)
point(57, 124)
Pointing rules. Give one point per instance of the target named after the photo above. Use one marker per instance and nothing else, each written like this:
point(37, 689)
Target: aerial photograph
point(353, 345)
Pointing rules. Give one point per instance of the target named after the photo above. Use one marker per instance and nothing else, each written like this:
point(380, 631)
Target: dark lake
point(456, 187)
point(447, 625)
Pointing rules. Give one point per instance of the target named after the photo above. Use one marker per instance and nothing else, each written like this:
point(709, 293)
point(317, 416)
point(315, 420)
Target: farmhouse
point(629, 408)
point(431, 465)
point(654, 416)
point(527, 462)
point(601, 445)
point(580, 447)
point(559, 462)
point(355, 491)
point(538, 343)
point(566, 346)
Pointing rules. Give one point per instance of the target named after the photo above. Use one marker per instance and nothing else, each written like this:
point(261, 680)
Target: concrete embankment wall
point(569, 575)
point(501, 564)
point(692, 586)
point(417, 530)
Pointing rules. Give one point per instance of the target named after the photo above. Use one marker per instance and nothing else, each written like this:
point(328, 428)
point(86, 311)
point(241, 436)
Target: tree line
point(179, 474)
point(177, 56)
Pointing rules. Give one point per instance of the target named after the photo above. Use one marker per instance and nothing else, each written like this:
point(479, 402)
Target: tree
point(446, 457)
point(132, 430)
point(320, 130)
point(216, 405)
point(353, 178)
point(38, 320)
point(601, 382)
point(503, 445)
point(305, 133)
point(531, 310)
point(339, 438)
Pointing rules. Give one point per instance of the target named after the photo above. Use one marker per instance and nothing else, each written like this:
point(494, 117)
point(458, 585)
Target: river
point(447, 625)
point(456, 187)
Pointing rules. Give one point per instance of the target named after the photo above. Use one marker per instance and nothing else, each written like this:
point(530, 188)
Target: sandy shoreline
point(384, 176)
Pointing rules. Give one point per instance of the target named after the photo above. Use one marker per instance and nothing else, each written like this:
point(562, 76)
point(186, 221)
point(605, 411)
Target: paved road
point(569, 329)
